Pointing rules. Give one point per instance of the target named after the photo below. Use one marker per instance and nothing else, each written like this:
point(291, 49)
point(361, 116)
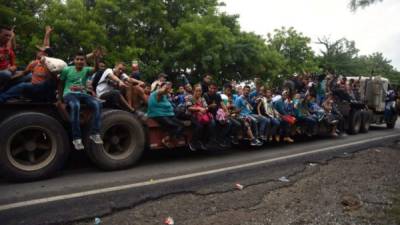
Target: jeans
point(235, 126)
point(5, 76)
point(225, 130)
point(202, 132)
point(273, 126)
point(252, 122)
point(73, 100)
point(171, 124)
point(285, 126)
point(262, 122)
point(114, 100)
point(308, 121)
point(42, 92)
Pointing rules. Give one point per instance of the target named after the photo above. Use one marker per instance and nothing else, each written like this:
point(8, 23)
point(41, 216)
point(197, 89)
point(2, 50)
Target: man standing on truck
point(7, 57)
point(207, 79)
point(72, 89)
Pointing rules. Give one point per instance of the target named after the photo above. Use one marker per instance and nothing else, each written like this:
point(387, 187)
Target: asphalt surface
point(82, 192)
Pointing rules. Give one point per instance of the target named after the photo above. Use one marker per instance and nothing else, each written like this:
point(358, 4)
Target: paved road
point(82, 191)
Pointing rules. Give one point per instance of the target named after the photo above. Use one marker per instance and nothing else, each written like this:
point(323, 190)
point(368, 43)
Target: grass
point(394, 212)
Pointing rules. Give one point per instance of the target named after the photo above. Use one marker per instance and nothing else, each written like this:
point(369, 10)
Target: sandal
point(166, 142)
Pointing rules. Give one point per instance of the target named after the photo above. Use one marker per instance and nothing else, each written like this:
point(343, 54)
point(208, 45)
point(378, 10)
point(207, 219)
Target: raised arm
point(46, 40)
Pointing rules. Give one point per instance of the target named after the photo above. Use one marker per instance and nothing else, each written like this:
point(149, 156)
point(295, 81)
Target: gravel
point(356, 189)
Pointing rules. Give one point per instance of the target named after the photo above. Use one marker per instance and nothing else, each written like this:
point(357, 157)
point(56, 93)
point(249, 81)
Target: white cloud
point(375, 28)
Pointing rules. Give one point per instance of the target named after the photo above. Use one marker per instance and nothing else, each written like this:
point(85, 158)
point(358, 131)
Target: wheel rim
point(118, 141)
point(31, 148)
point(357, 125)
point(367, 124)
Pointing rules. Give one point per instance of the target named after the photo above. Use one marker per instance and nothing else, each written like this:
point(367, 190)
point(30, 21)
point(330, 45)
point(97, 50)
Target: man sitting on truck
point(113, 83)
point(43, 84)
point(258, 123)
point(215, 103)
point(72, 89)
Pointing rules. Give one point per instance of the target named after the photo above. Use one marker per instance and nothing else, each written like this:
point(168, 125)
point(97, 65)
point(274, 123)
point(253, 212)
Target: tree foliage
point(295, 49)
point(338, 56)
point(355, 4)
point(178, 36)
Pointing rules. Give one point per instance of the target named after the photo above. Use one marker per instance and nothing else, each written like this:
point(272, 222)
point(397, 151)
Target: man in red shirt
point(7, 56)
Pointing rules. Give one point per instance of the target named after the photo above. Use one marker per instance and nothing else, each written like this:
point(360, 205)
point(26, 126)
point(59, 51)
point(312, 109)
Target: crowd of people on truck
point(219, 115)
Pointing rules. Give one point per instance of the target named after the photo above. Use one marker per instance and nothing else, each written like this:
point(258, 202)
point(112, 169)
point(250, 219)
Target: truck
point(35, 140)
point(376, 104)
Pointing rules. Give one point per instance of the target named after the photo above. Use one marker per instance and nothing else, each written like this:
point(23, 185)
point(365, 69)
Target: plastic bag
point(54, 65)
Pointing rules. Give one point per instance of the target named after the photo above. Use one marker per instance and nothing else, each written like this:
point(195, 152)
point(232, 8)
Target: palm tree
point(355, 4)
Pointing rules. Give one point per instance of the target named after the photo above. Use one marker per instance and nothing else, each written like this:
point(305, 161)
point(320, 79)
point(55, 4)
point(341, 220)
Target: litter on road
point(169, 221)
point(97, 221)
point(239, 186)
point(283, 179)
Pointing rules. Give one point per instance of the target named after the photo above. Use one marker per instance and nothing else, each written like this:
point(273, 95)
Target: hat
point(49, 51)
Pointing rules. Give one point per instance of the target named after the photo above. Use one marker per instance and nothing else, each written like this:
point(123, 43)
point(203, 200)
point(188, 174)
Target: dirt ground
point(361, 188)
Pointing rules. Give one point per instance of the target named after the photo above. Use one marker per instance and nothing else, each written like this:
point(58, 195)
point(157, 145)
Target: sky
point(374, 29)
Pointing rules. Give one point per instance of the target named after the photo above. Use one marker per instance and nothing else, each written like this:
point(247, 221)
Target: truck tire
point(124, 141)
point(365, 122)
point(355, 122)
point(33, 146)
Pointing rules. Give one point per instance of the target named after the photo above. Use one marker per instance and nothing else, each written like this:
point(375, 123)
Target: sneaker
point(255, 142)
point(78, 145)
point(224, 145)
point(141, 115)
point(203, 147)
point(96, 139)
point(288, 139)
point(234, 141)
point(192, 147)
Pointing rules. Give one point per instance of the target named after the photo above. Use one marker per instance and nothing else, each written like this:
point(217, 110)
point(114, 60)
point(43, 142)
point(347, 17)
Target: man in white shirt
point(115, 87)
point(162, 77)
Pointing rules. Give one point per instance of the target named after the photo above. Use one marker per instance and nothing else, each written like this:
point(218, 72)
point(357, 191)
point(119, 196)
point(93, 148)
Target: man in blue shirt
point(256, 92)
point(258, 123)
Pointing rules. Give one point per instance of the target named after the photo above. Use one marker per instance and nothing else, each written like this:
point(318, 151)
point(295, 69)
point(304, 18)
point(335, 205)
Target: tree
point(295, 49)
point(355, 4)
point(338, 56)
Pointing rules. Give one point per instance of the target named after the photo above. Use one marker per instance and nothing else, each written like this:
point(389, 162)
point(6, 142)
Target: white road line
point(181, 177)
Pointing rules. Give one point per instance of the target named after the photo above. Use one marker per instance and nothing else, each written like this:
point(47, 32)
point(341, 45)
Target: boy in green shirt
point(73, 92)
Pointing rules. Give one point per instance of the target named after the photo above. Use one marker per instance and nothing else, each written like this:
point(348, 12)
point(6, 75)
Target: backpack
point(96, 78)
